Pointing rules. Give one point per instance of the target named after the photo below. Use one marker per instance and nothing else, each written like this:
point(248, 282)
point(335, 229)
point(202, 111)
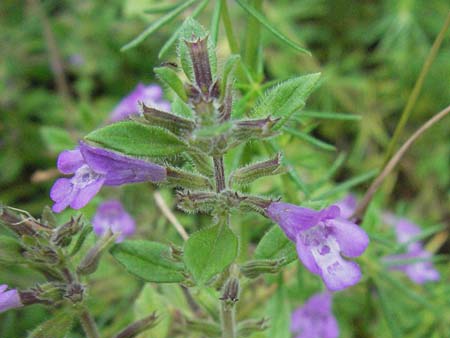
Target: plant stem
point(253, 39)
point(416, 90)
point(88, 324)
point(219, 173)
point(361, 209)
point(228, 320)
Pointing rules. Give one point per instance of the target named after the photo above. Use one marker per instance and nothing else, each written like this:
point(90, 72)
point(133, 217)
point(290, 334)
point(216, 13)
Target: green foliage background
point(370, 54)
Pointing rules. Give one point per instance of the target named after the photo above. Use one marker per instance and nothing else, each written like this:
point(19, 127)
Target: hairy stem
point(228, 320)
point(361, 209)
point(88, 324)
point(219, 173)
point(406, 113)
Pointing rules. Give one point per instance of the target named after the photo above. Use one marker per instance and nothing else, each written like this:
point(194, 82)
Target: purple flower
point(9, 299)
point(151, 95)
point(112, 215)
point(321, 237)
point(347, 205)
point(419, 272)
point(315, 318)
point(94, 167)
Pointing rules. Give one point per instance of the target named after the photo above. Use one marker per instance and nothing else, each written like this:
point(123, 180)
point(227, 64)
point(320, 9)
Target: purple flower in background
point(321, 237)
point(347, 205)
point(9, 299)
point(94, 167)
point(112, 215)
point(151, 95)
point(419, 272)
point(315, 318)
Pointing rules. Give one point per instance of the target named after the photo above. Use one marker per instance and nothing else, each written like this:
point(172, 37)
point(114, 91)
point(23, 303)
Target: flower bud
point(246, 175)
point(139, 326)
point(198, 51)
point(176, 124)
point(89, 263)
point(74, 292)
point(250, 129)
point(196, 201)
point(230, 294)
point(187, 180)
point(62, 235)
point(248, 327)
point(9, 299)
point(255, 268)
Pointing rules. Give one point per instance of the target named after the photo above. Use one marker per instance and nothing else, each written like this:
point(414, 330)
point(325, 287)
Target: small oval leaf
point(209, 251)
point(148, 260)
point(136, 139)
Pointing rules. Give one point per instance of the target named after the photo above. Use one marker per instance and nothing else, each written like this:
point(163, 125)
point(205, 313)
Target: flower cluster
point(93, 167)
point(151, 95)
point(112, 215)
point(321, 237)
point(419, 272)
point(9, 299)
point(315, 318)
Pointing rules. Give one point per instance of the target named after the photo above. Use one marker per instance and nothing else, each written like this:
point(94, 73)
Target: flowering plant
point(211, 280)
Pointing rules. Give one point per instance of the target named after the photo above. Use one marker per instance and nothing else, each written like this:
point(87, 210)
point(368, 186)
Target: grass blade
point(157, 25)
point(327, 115)
point(169, 43)
point(258, 16)
point(346, 185)
point(215, 20)
point(310, 139)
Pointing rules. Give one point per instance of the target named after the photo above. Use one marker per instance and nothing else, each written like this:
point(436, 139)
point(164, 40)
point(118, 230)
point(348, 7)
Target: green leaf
point(258, 16)
point(148, 260)
point(149, 301)
point(170, 78)
point(275, 245)
point(286, 98)
point(136, 139)
point(56, 327)
point(162, 9)
point(10, 250)
point(181, 108)
point(279, 314)
point(209, 251)
point(157, 25)
point(215, 21)
point(166, 47)
point(56, 139)
point(310, 139)
point(191, 31)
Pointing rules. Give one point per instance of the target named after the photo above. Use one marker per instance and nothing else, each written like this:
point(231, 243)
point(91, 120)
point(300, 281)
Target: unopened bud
point(176, 124)
point(62, 235)
point(230, 292)
point(207, 328)
point(89, 263)
point(196, 201)
point(248, 174)
point(250, 129)
point(139, 326)
point(248, 327)
point(198, 51)
point(187, 180)
point(74, 292)
point(176, 252)
point(255, 268)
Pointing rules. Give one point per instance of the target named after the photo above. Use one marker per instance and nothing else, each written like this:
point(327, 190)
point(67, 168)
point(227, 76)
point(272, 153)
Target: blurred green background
point(62, 73)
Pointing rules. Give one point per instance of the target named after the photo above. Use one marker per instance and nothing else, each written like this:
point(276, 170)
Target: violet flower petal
point(85, 194)
point(112, 215)
point(69, 161)
point(120, 169)
point(351, 238)
point(9, 299)
point(347, 205)
point(307, 257)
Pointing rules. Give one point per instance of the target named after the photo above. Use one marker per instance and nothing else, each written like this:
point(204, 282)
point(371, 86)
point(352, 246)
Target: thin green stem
point(88, 324)
point(406, 113)
point(253, 39)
